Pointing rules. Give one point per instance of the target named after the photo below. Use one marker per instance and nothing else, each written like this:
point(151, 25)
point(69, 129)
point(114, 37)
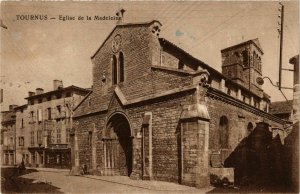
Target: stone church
point(157, 113)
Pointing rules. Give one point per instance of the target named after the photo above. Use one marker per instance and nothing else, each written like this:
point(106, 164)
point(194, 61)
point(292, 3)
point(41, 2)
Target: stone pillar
point(202, 176)
point(239, 94)
point(94, 141)
point(76, 150)
point(147, 146)
point(251, 101)
point(194, 145)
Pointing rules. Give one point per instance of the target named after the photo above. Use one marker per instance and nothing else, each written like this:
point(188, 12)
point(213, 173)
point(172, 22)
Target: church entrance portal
point(117, 146)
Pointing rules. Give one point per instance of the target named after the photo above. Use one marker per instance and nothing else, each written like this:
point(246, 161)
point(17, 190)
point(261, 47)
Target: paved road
point(60, 182)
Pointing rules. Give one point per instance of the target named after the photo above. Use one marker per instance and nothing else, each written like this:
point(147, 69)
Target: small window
point(68, 135)
point(245, 58)
point(11, 141)
point(40, 100)
point(58, 136)
point(49, 98)
point(49, 113)
point(114, 70)
point(39, 137)
point(58, 109)
point(22, 123)
point(31, 102)
point(32, 138)
point(121, 67)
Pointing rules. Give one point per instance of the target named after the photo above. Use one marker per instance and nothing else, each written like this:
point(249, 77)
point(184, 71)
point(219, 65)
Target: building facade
point(8, 136)
point(156, 112)
point(282, 109)
point(43, 126)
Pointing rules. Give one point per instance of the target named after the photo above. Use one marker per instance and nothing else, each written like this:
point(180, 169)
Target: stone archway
point(117, 146)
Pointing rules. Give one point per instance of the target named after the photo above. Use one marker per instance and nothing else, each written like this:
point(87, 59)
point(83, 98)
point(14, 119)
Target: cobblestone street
point(59, 181)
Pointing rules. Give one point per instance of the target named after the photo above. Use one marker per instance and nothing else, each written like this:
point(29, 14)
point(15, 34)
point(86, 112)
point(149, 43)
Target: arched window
point(121, 67)
point(245, 58)
point(259, 63)
point(114, 70)
point(249, 128)
point(223, 132)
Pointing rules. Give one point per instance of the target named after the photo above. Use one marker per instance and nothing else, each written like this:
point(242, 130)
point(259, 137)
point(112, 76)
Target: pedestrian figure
point(21, 167)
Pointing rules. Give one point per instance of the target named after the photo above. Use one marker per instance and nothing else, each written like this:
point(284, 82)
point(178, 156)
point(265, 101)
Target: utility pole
point(75, 169)
point(280, 31)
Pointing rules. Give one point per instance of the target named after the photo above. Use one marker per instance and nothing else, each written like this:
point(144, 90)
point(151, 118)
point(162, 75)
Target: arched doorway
point(117, 146)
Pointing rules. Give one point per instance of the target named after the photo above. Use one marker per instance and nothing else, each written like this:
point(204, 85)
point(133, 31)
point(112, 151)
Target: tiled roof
point(281, 107)
point(254, 41)
point(72, 87)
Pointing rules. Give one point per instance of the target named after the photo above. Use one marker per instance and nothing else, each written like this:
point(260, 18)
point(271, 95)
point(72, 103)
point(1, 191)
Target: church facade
point(157, 113)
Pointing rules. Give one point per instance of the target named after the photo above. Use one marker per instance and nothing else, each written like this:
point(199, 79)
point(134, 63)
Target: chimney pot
point(31, 94)
point(12, 107)
point(39, 91)
point(57, 84)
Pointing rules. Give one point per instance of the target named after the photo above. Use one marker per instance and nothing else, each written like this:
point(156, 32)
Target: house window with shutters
point(58, 135)
point(32, 138)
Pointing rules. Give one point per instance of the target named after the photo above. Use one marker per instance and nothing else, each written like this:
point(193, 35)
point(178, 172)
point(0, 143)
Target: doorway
point(117, 146)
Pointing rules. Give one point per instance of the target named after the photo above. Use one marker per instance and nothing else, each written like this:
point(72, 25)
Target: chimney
point(57, 84)
point(31, 94)
point(120, 14)
point(39, 91)
point(12, 107)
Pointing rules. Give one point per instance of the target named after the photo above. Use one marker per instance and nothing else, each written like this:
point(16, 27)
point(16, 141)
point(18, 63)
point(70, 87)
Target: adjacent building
point(43, 126)
point(156, 112)
point(8, 136)
point(282, 109)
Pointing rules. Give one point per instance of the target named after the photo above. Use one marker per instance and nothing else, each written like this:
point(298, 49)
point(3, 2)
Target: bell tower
point(242, 64)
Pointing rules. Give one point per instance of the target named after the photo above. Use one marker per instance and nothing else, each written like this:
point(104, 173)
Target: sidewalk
point(151, 185)
point(49, 169)
point(126, 181)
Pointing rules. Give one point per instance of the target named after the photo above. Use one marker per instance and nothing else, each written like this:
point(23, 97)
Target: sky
point(35, 52)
